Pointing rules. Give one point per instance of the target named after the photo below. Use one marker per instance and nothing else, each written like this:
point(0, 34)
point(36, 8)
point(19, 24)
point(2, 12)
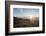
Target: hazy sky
point(19, 12)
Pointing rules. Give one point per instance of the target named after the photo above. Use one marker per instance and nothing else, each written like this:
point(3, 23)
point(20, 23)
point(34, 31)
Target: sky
point(20, 12)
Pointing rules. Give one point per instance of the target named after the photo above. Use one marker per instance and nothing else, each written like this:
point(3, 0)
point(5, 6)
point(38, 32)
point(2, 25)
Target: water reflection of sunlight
point(32, 19)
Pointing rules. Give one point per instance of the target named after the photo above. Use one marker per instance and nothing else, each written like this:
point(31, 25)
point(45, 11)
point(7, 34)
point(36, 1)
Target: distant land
point(25, 22)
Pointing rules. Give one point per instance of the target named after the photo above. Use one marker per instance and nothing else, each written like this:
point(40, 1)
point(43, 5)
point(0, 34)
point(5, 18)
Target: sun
point(31, 17)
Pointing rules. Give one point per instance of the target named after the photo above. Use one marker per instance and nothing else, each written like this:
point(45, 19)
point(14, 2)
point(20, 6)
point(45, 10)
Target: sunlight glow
point(31, 17)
